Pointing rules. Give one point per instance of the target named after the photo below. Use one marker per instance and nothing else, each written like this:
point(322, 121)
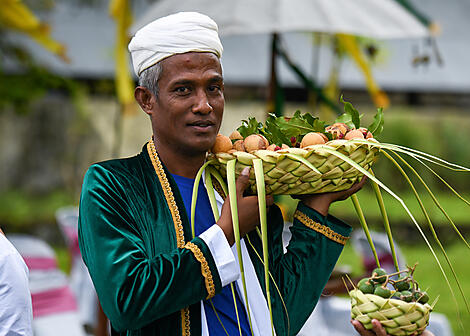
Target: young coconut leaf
point(232, 194)
point(211, 194)
point(431, 227)
point(272, 279)
point(388, 230)
point(434, 160)
point(447, 184)
point(436, 202)
point(259, 175)
point(215, 212)
point(362, 220)
point(428, 157)
point(219, 179)
point(413, 153)
point(370, 176)
point(220, 321)
point(194, 195)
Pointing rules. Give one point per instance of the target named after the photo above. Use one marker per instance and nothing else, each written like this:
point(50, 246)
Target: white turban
point(174, 34)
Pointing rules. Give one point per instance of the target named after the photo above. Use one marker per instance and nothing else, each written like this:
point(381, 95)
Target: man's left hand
point(377, 329)
point(322, 202)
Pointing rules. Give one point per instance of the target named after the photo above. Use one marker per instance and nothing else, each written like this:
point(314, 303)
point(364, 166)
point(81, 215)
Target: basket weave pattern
point(286, 174)
point(396, 316)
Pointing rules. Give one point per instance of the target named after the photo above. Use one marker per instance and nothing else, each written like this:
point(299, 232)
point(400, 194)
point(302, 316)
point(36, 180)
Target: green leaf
point(252, 126)
point(353, 119)
point(377, 125)
point(286, 128)
point(302, 126)
point(273, 133)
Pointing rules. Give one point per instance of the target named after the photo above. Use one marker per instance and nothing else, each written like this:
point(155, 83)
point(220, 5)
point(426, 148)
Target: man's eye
point(214, 88)
point(182, 89)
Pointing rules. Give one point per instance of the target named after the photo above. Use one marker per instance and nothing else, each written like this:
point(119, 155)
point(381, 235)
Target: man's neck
point(179, 163)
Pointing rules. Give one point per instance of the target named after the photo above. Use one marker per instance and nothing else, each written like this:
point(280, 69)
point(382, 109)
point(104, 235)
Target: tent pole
point(272, 89)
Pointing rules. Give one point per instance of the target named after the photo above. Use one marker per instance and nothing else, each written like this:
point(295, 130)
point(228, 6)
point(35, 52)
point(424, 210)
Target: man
point(152, 277)
point(16, 313)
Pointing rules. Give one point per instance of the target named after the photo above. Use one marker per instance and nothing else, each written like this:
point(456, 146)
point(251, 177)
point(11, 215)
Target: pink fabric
point(72, 236)
point(53, 301)
point(40, 263)
point(385, 259)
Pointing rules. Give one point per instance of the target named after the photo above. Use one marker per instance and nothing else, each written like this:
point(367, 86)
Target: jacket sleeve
point(302, 272)
point(136, 287)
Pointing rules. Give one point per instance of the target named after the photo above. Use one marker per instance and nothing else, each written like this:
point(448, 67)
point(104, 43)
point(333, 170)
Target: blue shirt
point(222, 302)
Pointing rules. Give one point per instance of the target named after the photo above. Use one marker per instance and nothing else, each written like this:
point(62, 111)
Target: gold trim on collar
point(170, 200)
point(322, 229)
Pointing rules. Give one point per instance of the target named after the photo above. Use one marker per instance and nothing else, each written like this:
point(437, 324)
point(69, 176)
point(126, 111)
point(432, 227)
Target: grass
point(430, 277)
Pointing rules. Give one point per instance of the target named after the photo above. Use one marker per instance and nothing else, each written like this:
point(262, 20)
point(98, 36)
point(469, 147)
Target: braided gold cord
point(157, 165)
point(170, 199)
point(205, 270)
point(219, 188)
point(322, 229)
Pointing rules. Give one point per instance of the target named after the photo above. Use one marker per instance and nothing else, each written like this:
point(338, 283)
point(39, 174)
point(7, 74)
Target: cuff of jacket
point(223, 256)
point(329, 226)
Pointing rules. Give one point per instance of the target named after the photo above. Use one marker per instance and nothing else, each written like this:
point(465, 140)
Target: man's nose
point(202, 104)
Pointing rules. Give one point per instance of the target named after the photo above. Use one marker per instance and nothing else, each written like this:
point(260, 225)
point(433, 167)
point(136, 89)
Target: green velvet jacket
point(148, 279)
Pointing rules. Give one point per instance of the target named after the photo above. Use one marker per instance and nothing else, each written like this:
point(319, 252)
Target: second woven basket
point(396, 316)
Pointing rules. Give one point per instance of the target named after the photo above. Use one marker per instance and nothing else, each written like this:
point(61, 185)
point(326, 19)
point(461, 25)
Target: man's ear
point(145, 98)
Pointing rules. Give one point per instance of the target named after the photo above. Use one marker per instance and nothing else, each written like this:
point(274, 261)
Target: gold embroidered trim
point(170, 199)
point(185, 326)
point(219, 188)
point(324, 230)
point(205, 270)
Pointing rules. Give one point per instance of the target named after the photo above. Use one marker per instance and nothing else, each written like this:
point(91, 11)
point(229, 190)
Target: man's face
point(188, 112)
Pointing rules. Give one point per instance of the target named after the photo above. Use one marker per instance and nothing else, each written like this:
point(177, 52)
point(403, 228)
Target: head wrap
point(174, 34)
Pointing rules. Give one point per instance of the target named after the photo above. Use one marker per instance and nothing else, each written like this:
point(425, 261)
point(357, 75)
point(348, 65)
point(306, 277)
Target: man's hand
point(248, 211)
point(322, 202)
point(377, 329)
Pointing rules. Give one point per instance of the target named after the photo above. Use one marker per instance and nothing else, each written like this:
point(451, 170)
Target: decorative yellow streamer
point(15, 15)
point(120, 11)
point(350, 45)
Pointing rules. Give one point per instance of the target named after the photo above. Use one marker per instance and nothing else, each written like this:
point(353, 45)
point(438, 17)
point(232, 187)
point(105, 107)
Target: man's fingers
point(243, 181)
point(360, 328)
point(377, 328)
point(269, 200)
point(358, 185)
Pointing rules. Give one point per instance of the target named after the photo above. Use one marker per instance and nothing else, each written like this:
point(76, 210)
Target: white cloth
point(16, 312)
point(67, 323)
point(226, 260)
point(174, 34)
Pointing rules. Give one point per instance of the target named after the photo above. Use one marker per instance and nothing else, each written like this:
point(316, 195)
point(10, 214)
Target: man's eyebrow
point(182, 82)
point(216, 78)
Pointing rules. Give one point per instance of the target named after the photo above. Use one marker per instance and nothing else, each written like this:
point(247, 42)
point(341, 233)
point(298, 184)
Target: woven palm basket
point(286, 174)
point(396, 316)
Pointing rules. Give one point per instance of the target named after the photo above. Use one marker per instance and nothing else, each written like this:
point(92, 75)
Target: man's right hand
point(248, 211)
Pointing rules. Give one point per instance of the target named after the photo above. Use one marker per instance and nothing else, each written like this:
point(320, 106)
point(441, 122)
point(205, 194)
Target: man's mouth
point(202, 124)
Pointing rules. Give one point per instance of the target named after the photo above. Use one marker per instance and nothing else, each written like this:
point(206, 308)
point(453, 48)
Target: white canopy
point(382, 19)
